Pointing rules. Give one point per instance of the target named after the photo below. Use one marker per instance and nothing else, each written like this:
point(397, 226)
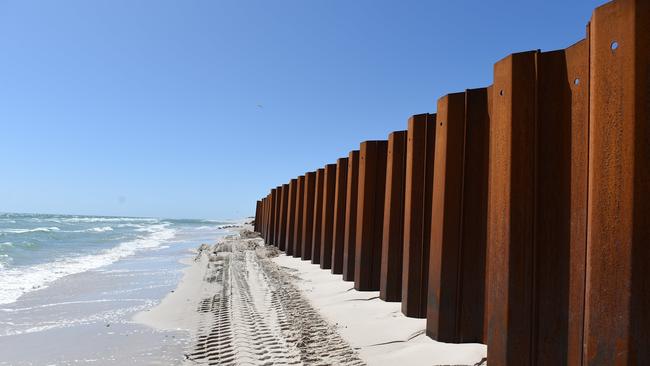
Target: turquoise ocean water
point(36, 250)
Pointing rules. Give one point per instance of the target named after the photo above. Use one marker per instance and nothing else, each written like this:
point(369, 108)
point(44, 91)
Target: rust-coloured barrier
point(370, 218)
point(340, 193)
point(350, 236)
point(456, 305)
point(523, 207)
point(318, 217)
point(327, 235)
point(617, 316)
point(291, 217)
point(299, 214)
point(390, 281)
point(417, 213)
point(308, 216)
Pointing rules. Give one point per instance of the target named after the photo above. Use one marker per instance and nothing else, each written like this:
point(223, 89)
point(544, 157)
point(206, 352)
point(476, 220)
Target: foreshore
point(244, 302)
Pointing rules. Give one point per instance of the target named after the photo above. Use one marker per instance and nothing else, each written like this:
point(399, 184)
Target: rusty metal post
point(456, 310)
point(511, 211)
point(268, 218)
point(274, 215)
point(278, 219)
point(284, 210)
point(340, 192)
point(269, 230)
point(261, 224)
point(417, 213)
point(291, 216)
point(561, 201)
point(327, 235)
point(294, 249)
point(264, 218)
point(536, 215)
point(351, 198)
point(617, 316)
point(308, 216)
point(444, 257)
point(278, 215)
point(318, 217)
point(257, 216)
point(390, 282)
point(370, 214)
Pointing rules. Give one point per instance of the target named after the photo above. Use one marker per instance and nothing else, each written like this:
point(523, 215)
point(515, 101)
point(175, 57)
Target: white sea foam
point(14, 282)
point(35, 230)
point(109, 316)
point(104, 219)
point(102, 229)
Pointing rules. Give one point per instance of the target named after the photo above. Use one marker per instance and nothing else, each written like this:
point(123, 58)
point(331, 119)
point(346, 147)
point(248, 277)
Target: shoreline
point(86, 318)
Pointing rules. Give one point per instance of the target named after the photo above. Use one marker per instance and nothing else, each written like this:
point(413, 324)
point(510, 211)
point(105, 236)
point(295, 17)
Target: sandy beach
point(246, 303)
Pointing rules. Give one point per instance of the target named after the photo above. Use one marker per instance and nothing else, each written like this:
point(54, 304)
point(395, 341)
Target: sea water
point(69, 286)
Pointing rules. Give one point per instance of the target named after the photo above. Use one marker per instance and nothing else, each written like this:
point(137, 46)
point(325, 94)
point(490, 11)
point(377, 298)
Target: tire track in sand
point(259, 317)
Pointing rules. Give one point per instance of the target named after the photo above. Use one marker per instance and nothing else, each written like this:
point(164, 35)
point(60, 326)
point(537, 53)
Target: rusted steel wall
point(318, 217)
point(518, 214)
point(327, 236)
point(417, 213)
point(456, 304)
point(370, 218)
point(617, 316)
point(291, 217)
point(390, 281)
point(299, 213)
point(308, 216)
point(350, 237)
point(340, 193)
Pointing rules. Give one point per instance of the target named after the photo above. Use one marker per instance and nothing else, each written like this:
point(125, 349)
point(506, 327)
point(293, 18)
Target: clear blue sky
point(194, 109)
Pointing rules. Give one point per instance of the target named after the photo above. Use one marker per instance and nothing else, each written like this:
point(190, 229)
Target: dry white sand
point(244, 302)
point(377, 329)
